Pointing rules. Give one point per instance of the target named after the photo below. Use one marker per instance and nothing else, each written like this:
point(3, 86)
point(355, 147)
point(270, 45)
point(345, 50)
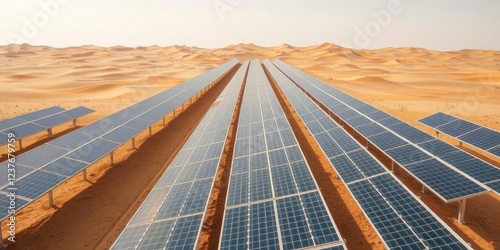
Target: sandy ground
point(409, 83)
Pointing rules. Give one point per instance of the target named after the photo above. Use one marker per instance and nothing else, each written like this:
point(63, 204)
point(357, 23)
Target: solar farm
point(244, 177)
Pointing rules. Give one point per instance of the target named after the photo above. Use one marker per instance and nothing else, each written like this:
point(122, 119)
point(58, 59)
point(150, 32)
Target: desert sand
point(409, 83)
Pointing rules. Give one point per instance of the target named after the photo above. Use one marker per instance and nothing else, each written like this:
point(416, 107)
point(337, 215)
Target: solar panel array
point(172, 215)
point(398, 140)
point(478, 136)
point(43, 168)
point(400, 219)
point(38, 121)
point(273, 201)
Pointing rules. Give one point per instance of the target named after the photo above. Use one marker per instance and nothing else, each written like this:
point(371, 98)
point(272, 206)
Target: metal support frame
point(84, 174)
point(112, 158)
point(424, 189)
point(133, 143)
point(461, 211)
point(51, 199)
point(49, 132)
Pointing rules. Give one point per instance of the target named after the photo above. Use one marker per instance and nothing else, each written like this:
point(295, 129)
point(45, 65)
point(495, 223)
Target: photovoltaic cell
point(437, 119)
point(447, 183)
point(457, 127)
point(64, 166)
point(53, 120)
point(37, 183)
point(24, 130)
point(5, 202)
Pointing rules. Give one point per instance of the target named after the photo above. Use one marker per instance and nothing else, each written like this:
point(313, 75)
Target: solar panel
point(24, 130)
point(52, 121)
point(39, 121)
point(64, 166)
point(437, 119)
point(78, 112)
point(5, 200)
point(483, 138)
point(375, 190)
point(41, 113)
point(5, 179)
point(12, 122)
point(397, 132)
point(56, 161)
point(172, 215)
point(36, 184)
point(40, 156)
point(271, 180)
point(447, 183)
point(478, 136)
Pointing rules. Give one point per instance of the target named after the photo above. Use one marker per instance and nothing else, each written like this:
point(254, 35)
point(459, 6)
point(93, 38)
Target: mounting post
point(461, 211)
point(74, 122)
point(437, 134)
point(392, 166)
point(112, 158)
point(424, 190)
point(150, 131)
point(460, 144)
point(49, 132)
point(51, 199)
point(84, 173)
point(164, 121)
point(174, 112)
point(20, 144)
point(133, 143)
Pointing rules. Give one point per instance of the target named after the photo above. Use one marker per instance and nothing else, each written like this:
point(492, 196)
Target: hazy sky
point(441, 25)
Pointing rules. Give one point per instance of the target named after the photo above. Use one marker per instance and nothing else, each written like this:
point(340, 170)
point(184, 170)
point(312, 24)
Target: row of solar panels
point(401, 220)
point(479, 136)
point(273, 201)
point(43, 168)
point(38, 121)
point(449, 172)
point(172, 215)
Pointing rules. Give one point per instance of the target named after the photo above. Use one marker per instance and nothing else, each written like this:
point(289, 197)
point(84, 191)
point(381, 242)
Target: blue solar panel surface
point(39, 121)
point(172, 215)
point(397, 133)
point(61, 158)
point(271, 191)
point(391, 208)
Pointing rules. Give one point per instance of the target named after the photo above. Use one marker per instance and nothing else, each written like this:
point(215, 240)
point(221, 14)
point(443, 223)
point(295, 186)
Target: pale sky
point(439, 25)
